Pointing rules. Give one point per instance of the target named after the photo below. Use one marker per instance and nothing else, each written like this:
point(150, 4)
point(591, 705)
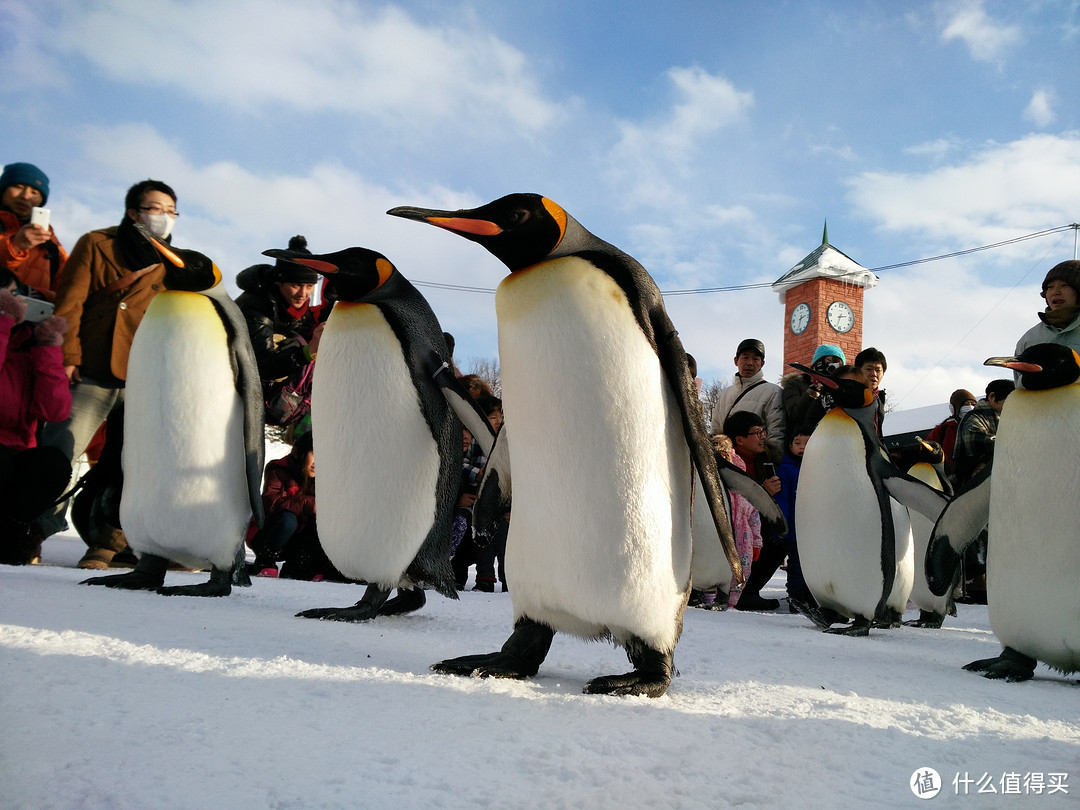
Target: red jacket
point(34, 266)
point(33, 385)
point(282, 492)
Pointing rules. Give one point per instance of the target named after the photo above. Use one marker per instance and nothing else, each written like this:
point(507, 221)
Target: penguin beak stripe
point(164, 250)
point(479, 227)
point(1013, 364)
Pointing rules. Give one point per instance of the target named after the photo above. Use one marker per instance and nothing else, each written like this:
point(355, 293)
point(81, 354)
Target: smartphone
point(769, 468)
point(39, 216)
point(36, 309)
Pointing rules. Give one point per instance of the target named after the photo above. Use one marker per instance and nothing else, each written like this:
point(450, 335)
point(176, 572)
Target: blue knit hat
point(25, 174)
point(828, 350)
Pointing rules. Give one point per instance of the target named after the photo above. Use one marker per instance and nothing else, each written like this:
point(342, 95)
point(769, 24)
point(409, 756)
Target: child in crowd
point(788, 472)
point(290, 532)
point(745, 521)
point(495, 549)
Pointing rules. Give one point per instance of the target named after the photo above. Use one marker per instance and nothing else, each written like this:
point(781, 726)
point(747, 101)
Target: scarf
point(1060, 318)
point(135, 249)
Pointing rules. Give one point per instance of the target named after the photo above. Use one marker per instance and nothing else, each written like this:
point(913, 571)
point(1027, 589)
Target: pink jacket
point(33, 385)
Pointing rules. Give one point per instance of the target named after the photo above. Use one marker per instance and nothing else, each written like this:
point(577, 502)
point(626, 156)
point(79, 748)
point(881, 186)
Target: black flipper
point(367, 608)
point(740, 483)
point(651, 677)
point(1010, 666)
point(147, 575)
point(520, 657)
point(957, 528)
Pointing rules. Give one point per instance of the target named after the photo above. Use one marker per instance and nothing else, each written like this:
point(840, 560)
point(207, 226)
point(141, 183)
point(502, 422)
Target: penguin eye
point(519, 216)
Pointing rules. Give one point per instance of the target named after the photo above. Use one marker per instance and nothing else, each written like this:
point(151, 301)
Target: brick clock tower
point(823, 303)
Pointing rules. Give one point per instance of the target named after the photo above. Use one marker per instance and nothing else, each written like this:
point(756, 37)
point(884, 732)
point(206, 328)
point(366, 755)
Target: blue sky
point(708, 139)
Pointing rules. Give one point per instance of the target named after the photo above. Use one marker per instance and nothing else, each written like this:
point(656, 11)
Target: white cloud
point(1040, 110)
point(986, 39)
point(315, 56)
point(936, 149)
point(998, 192)
point(651, 158)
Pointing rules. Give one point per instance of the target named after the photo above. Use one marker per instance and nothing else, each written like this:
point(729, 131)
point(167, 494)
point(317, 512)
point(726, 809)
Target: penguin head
point(845, 393)
point(1042, 366)
point(185, 270)
point(929, 452)
point(354, 273)
point(518, 229)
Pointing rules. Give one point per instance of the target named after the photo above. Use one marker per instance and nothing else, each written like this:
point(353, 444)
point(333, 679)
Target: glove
point(12, 306)
point(50, 332)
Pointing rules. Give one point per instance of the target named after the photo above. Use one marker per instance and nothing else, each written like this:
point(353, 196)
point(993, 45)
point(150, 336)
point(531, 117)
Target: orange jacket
point(33, 266)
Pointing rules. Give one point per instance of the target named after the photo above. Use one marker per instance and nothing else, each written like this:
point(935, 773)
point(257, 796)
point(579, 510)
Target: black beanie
point(293, 273)
point(751, 345)
point(1069, 272)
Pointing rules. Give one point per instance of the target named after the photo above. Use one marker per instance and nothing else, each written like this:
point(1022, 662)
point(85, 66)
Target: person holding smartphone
point(29, 250)
point(748, 434)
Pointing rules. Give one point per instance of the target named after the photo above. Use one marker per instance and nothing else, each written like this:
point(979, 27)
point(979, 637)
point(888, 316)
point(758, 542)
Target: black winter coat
point(277, 337)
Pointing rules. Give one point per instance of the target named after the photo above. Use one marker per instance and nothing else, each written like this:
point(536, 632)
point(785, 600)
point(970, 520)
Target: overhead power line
point(759, 285)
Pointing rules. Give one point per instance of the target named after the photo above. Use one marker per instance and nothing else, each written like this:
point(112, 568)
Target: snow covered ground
point(132, 700)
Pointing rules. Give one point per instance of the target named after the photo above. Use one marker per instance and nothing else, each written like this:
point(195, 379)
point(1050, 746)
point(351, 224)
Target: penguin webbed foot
point(927, 619)
point(406, 601)
point(368, 607)
point(219, 584)
point(858, 628)
point(1010, 666)
point(889, 619)
point(653, 670)
point(147, 575)
point(520, 656)
point(821, 616)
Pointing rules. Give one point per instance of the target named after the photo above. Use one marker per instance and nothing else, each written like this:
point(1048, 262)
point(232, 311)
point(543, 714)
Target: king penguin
point(604, 440)
point(929, 467)
point(193, 433)
point(387, 445)
point(851, 517)
point(1028, 495)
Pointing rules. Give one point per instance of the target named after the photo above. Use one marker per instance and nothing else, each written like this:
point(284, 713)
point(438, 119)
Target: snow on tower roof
point(825, 262)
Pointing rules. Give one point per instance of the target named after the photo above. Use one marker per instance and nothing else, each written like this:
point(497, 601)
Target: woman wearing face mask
point(961, 403)
point(802, 404)
point(103, 292)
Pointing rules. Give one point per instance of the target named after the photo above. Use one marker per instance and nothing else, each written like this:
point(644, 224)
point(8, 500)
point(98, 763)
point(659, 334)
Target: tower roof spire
point(825, 233)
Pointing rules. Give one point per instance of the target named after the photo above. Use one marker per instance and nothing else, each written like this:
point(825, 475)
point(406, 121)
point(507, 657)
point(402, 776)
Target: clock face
point(840, 316)
point(800, 318)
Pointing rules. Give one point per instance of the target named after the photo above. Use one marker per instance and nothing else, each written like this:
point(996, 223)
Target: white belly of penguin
point(185, 484)
point(1033, 555)
point(839, 524)
point(376, 461)
point(921, 528)
point(599, 539)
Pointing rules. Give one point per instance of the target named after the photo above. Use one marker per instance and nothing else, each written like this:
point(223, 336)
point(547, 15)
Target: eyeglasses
point(756, 432)
point(157, 209)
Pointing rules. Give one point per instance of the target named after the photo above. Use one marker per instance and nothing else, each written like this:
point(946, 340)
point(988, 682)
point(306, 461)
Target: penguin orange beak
point(449, 220)
point(174, 258)
point(828, 382)
point(1014, 364)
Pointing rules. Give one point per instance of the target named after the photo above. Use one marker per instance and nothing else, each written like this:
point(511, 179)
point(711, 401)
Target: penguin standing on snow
point(193, 433)
point(929, 467)
point(386, 443)
point(853, 528)
point(1028, 495)
point(600, 541)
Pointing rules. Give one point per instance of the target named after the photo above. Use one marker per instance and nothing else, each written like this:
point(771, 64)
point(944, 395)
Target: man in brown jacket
point(104, 290)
